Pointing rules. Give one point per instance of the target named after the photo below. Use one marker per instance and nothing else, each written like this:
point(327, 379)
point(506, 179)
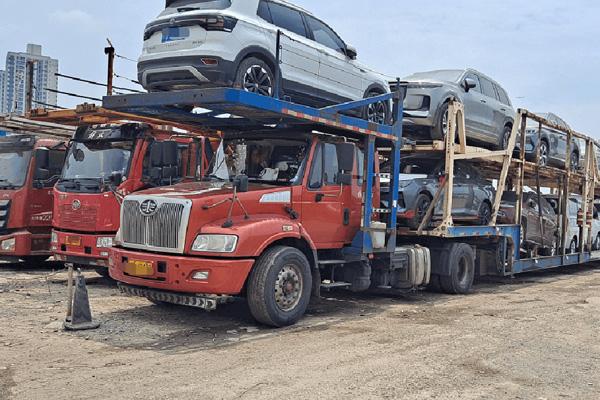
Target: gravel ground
point(533, 337)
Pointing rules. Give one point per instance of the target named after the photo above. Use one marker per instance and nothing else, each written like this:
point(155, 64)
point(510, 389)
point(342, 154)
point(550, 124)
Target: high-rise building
point(44, 70)
point(1, 90)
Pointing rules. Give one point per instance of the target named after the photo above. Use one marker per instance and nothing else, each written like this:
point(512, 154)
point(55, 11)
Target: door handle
point(484, 101)
point(319, 197)
point(503, 109)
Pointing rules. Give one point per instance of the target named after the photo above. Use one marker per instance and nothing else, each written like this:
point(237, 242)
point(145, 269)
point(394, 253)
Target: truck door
point(325, 202)
point(46, 171)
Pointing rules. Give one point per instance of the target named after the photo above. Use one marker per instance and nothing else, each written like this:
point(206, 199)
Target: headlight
point(215, 243)
point(104, 242)
point(8, 244)
point(54, 237)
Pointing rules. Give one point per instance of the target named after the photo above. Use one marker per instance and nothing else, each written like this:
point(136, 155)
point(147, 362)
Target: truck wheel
point(279, 287)
point(103, 272)
point(461, 264)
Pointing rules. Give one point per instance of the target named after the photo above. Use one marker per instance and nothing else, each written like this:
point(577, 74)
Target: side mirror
point(240, 182)
point(344, 179)
point(116, 178)
point(351, 52)
point(469, 84)
point(42, 164)
point(345, 154)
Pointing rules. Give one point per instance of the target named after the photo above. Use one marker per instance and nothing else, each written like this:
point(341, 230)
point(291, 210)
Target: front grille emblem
point(148, 207)
point(76, 205)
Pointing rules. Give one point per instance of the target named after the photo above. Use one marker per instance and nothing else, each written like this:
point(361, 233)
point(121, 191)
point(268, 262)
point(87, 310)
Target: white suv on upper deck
point(200, 43)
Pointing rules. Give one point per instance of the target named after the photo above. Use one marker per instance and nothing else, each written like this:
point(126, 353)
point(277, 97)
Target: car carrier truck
point(106, 162)
point(296, 206)
point(29, 167)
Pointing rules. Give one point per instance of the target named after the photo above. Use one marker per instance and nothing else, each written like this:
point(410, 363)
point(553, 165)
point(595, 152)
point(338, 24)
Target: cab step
point(335, 285)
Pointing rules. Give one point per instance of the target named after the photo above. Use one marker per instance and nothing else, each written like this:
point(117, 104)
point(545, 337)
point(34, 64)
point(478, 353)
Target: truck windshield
point(279, 162)
point(13, 169)
point(96, 160)
point(175, 6)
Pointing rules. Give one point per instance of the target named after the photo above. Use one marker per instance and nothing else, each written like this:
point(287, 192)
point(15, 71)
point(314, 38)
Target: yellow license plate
point(139, 268)
point(73, 241)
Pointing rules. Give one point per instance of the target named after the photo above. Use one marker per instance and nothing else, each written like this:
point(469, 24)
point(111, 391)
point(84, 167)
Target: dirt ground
point(533, 337)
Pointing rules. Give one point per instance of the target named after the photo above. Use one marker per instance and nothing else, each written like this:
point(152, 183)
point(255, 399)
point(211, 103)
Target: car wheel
point(422, 204)
point(485, 214)
point(377, 112)
point(544, 151)
point(503, 145)
point(596, 244)
point(550, 251)
point(255, 76)
point(440, 130)
point(279, 287)
point(573, 246)
point(574, 161)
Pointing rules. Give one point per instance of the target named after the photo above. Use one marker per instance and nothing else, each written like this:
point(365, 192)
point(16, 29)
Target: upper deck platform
point(227, 109)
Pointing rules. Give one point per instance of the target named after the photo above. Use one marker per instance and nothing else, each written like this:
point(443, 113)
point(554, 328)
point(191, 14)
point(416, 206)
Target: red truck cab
point(29, 167)
point(286, 197)
point(104, 164)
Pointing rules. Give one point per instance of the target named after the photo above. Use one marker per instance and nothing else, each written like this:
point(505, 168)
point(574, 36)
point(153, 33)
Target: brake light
point(217, 23)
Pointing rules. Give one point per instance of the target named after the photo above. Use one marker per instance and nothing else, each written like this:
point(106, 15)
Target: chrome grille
point(164, 230)
point(4, 209)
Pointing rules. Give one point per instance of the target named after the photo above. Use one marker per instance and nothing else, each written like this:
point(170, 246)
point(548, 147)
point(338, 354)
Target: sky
point(545, 53)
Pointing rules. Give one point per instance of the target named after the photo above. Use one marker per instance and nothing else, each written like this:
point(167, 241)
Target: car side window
point(487, 88)
point(324, 35)
point(503, 96)
point(315, 180)
point(476, 79)
point(263, 11)
point(330, 164)
point(287, 18)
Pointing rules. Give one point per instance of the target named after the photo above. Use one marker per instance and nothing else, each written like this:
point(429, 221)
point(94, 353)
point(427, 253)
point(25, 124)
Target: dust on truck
point(104, 163)
point(29, 167)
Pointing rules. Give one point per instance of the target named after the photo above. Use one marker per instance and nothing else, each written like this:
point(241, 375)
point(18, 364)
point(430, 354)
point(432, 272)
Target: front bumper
point(86, 253)
point(185, 72)
point(174, 273)
point(27, 244)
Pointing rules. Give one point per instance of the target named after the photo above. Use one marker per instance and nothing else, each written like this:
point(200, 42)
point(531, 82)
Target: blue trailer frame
point(212, 109)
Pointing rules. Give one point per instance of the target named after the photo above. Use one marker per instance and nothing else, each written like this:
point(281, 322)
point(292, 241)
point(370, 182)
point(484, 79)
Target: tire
point(504, 138)
point(523, 234)
point(461, 263)
point(573, 246)
point(544, 153)
point(550, 251)
point(485, 214)
point(34, 261)
point(596, 244)
point(441, 127)
point(103, 272)
point(279, 270)
point(379, 112)
point(422, 204)
point(255, 76)
point(575, 161)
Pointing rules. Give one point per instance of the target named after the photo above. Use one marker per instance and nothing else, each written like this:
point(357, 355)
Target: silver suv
point(489, 114)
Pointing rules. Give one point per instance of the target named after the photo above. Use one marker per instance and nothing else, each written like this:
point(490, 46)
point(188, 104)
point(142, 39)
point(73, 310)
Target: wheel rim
point(258, 80)
point(463, 271)
point(445, 123)
point(505, 140)
point(288, 287)
point(422, 208)
point(377, 113)
point(574, 162)
point(543, 154)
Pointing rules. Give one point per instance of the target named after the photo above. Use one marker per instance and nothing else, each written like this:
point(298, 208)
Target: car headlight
point(215, 243)
point(54, 237)
point(104, 242)
point(8, 244)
